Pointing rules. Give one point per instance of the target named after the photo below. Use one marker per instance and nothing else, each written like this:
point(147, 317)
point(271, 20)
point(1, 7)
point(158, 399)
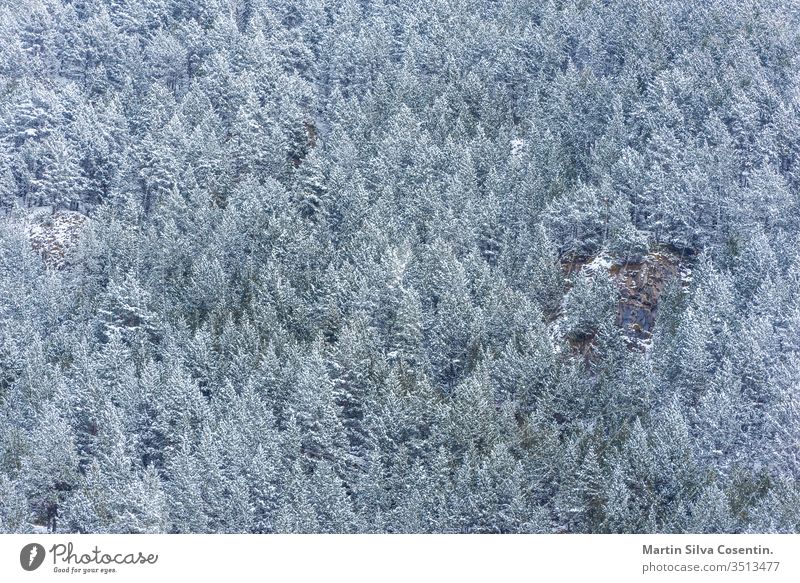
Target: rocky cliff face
point(52, 236)
point(640, 285)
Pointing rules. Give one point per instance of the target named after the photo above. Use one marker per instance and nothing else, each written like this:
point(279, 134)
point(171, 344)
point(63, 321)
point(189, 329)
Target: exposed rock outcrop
point(52, 236)
point(640, 283)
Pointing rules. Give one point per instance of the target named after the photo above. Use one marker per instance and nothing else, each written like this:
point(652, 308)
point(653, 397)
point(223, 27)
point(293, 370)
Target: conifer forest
point(400, 266)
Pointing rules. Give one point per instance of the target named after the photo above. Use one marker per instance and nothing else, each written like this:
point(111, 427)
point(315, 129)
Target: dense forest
point(459, 266)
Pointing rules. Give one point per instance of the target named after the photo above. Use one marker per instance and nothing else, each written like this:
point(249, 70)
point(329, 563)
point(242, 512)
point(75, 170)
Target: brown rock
point(53, 236)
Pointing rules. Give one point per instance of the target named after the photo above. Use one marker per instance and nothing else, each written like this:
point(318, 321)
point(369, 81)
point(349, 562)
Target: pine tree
point(49, 471)
point(61, 181)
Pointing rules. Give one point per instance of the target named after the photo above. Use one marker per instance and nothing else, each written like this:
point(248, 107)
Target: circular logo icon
point(31, 556)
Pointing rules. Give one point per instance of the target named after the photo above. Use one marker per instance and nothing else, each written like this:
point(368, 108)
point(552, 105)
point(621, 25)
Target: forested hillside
point(399, 266)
